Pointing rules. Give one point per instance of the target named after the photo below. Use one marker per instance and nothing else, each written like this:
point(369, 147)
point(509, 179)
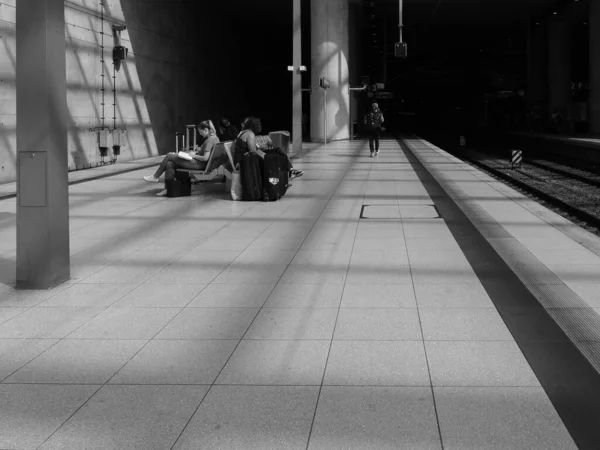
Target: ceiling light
point(555, 13)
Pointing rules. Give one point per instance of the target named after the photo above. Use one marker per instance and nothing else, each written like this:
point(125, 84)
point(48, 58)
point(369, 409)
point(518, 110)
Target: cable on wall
point(114, 96)
point(102, 59)
point(103, 132)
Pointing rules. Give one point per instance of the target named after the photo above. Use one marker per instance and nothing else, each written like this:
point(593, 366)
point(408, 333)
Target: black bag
point(180, 186)
point(276, 169)
point(373, 121)
point(251, 173)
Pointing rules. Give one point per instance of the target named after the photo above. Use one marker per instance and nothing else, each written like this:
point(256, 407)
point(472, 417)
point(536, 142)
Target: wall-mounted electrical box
point(103, 138)
point(324, 83)
point(32, 179)
point(119, 137)
point(120, 53)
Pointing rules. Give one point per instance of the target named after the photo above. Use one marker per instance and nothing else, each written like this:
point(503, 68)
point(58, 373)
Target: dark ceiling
point(466, 12)
point(421, 12)
point(457, 49)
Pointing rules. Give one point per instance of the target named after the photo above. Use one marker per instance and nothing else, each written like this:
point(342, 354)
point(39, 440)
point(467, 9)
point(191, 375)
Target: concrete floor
point(343, 316)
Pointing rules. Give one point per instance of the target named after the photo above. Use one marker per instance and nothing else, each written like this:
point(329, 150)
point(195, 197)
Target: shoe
point(295, 173)
point(150, 179)
point(162, 193)
point(372, 154)
point(376, 152)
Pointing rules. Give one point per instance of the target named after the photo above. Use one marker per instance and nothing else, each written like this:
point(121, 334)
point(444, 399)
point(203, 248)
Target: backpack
point(374, 120)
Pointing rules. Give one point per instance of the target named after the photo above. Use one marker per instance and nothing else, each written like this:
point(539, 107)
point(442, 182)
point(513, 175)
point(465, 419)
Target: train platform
point(9, 190)
point(406, 301)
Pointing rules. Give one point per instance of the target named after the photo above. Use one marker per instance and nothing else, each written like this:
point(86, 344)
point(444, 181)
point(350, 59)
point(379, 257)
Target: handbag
point(180, 185)
point(236, 186)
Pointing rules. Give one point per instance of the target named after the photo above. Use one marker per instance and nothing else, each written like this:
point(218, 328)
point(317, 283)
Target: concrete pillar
point(297, 81)
point(594, 98)
point(356, 65)
point(559, 66)
point(42, 179)
point(329, 59)
point(537, 57)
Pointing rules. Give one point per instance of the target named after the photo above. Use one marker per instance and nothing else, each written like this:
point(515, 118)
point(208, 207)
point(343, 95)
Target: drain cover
point(419, 212)
point(397, 212)
point(380, 212)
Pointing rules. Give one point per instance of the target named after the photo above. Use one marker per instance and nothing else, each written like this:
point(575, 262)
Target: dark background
point(462, 54)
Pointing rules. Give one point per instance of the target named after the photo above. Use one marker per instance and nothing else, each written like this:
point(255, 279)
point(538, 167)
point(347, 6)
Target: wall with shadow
point(181, 69)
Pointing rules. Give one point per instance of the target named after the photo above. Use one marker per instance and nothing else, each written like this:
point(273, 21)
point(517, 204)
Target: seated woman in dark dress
point(246, 141)
point(200, 157)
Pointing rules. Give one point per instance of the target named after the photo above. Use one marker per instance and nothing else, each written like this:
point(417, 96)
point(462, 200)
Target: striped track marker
point(516, 158)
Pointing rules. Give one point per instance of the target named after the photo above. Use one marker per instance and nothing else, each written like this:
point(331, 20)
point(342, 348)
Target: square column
point(594, 98)
point(297, 80)
point(330, 113)
point(42, 177)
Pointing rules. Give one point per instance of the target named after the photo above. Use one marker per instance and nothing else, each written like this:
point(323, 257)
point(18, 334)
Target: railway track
point(577, 174)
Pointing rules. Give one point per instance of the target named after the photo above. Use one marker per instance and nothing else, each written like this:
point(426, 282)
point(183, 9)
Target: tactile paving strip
point(580, 324)
point(591, 350)
point(556, 296)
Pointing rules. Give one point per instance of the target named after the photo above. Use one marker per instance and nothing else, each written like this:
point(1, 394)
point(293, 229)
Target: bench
point(220, 155)
point(220, 161)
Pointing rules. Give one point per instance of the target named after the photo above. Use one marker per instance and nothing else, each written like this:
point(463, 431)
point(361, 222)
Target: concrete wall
point(178, 71)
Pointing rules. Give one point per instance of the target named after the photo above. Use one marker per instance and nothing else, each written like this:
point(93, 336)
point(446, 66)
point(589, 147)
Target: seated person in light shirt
point(200, 157)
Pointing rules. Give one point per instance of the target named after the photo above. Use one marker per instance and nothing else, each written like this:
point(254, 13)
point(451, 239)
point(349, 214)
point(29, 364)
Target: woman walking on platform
point(373, 121)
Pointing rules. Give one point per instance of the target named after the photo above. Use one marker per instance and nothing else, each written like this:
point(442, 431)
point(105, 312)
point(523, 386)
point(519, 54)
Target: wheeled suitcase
point(251, 173)
point(180, 142)
point(275, 175)
point(183, 142)
point(180, 185)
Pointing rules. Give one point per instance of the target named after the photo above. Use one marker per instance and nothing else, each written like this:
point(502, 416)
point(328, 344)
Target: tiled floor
point(204, 323)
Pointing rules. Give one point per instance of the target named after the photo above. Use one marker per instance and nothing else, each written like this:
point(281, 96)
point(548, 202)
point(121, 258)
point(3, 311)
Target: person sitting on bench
point(171, 161)
point(246, 141)
point(227, 131)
